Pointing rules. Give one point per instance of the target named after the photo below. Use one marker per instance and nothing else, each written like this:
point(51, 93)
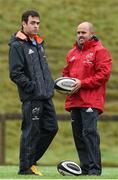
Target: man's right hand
point(76, 86)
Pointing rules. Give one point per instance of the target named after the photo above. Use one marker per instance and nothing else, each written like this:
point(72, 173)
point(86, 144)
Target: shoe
point(32, 171)
point(26, 172)
point(84, 172)
point(94, 173)
point(36, 171)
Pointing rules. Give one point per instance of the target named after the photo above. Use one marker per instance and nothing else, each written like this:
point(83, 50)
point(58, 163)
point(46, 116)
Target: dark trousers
point(87, 140)
point(39, 127)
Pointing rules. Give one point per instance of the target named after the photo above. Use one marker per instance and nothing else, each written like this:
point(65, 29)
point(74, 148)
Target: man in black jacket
point(29, 71)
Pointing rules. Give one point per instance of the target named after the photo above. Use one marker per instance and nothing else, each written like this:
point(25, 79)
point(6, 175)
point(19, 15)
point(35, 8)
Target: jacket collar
point(24, 37)
point(88, 44)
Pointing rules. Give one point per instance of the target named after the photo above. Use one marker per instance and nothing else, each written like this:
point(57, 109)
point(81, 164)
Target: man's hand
point(77, 86)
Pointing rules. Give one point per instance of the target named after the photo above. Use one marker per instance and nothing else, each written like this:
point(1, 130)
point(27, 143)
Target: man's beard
point(79, 45)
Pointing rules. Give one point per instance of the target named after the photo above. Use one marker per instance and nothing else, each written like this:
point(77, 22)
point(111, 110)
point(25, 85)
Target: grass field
point(59, 20)
point(50, 172)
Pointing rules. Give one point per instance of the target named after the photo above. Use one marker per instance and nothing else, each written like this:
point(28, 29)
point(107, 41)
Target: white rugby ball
point(64, 84)
point(68, 167)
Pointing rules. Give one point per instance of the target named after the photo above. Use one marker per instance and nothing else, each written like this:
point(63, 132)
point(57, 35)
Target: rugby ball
point(64, 84)
point(68, 167)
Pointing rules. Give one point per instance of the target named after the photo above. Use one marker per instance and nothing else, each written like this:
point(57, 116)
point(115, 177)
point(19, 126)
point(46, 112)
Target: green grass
point(50, 172)
point(59, 20)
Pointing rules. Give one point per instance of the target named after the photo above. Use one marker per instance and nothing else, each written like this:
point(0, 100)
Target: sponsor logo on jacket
point(89, 58)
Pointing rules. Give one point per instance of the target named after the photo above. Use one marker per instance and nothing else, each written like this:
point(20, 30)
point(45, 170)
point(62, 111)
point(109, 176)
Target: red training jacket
point(92, 65)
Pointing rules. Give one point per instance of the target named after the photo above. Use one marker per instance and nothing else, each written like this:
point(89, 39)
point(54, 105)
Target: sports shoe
point(36, 171)
point(32, 171)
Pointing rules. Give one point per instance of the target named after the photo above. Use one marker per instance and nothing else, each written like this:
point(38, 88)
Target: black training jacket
point(29, 69)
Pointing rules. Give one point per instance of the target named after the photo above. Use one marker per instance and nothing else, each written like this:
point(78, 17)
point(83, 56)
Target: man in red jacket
point(89, 62)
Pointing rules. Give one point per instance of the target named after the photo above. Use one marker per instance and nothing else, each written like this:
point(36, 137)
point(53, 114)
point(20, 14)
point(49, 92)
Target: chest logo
point(30, 51)
point(89, 58)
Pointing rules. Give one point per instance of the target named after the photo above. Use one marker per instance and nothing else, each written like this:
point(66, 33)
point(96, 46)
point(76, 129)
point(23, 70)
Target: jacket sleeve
point(17, 71)
point(102, 70)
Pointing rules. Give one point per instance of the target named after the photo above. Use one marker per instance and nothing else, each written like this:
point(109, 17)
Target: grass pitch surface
point(50, 172)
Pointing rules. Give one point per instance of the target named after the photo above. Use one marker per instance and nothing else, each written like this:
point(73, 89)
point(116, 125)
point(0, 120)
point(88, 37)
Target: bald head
point(86, 25)
point(85, 31)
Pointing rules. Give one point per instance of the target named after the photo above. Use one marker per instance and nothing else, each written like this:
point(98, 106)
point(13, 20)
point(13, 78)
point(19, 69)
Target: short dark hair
point(26, 14)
